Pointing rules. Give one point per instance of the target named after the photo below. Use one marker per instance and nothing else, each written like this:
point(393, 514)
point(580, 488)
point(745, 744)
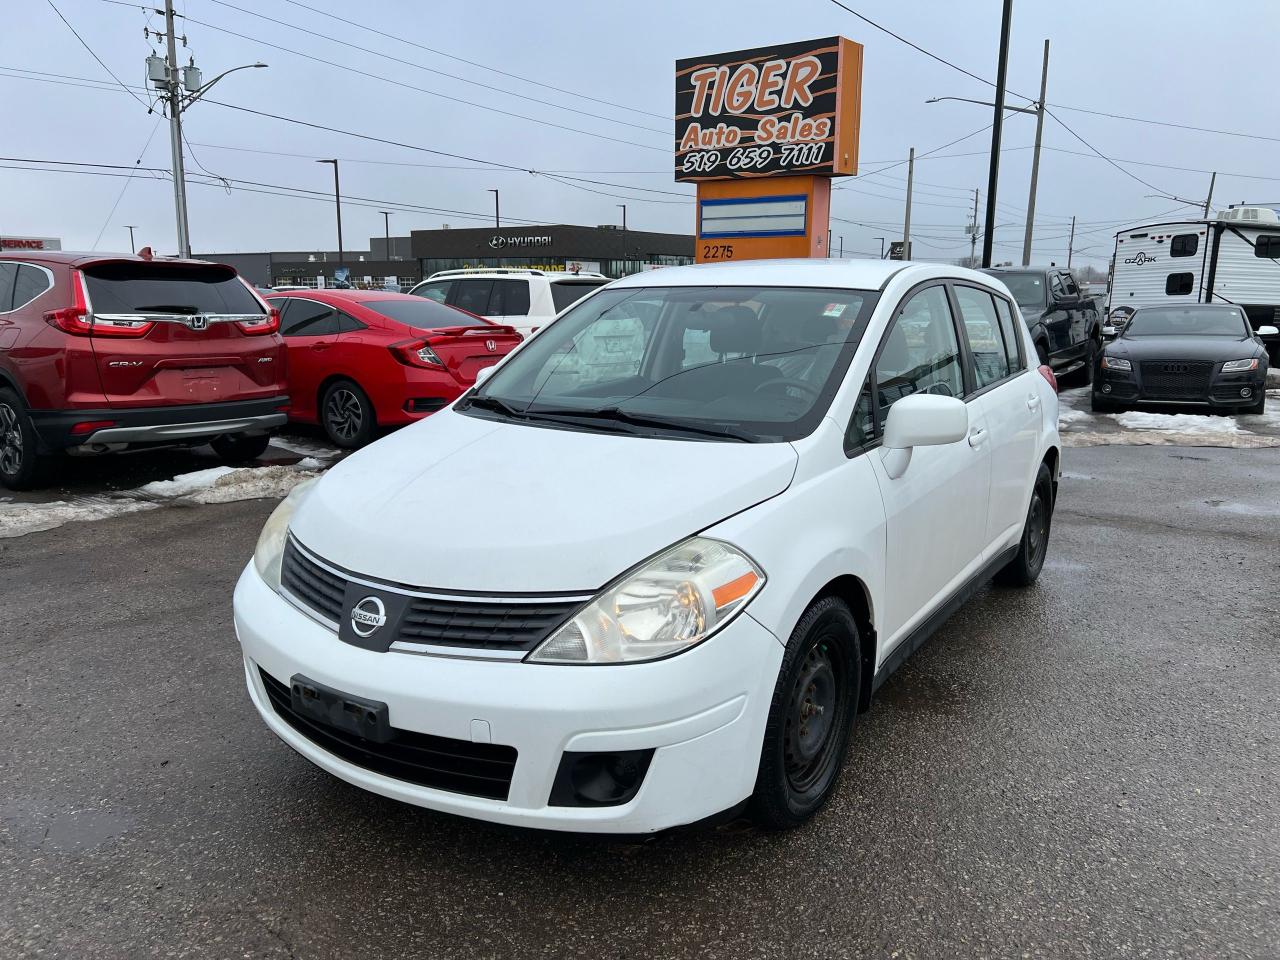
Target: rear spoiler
point(488, 330)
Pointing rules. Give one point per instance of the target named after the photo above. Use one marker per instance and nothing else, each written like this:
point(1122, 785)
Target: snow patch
point(1068, 415)
point(252, 483)
point(1185, 423)
point(305, 448)
point(18, 519)
point(185, 484)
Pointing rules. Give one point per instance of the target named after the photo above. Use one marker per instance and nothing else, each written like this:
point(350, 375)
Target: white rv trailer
point(1233, 258)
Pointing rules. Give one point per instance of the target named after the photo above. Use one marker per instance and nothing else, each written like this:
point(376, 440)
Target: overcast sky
point(1176, 60)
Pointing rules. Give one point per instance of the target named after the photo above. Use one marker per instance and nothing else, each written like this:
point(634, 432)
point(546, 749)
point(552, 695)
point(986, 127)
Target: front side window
point(986, 341)
point(862, 425)
point(1184, 245)
point(309, 318)
point(756, 364)
point(920, 353)
point(1056, 288)
point(1179, 284)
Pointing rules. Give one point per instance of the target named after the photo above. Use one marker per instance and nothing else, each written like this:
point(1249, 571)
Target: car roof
point(856, 274)
point(82, 257)
point(345, 296)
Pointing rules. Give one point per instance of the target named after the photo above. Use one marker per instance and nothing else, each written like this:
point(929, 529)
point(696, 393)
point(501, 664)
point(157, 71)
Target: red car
point(100, 353)
point(363, 359)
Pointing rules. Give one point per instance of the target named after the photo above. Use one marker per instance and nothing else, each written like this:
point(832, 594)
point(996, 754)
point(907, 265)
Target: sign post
point(762, 132)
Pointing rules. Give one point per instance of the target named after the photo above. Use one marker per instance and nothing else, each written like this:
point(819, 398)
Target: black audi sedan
point(1193, 354)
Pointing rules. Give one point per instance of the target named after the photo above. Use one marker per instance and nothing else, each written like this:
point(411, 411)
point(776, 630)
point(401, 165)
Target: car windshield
point(750, 364)
point(1027, 288)
point(1203, 321)
point(423, 314)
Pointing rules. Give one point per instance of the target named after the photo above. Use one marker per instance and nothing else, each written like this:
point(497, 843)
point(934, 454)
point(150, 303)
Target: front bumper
point(1223, 390)
point(703, 712)
point(158, 425)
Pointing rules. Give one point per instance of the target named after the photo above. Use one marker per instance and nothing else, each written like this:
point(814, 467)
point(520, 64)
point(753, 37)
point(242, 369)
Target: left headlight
point(1115, 363)
point(269, 552)
point(669, 604)
point(1238, 366)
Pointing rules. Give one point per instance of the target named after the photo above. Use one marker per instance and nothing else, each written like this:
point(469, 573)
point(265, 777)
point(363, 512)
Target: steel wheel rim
point(813, 717)
point(10, 440)
point(344, 414)
point(1037, 528)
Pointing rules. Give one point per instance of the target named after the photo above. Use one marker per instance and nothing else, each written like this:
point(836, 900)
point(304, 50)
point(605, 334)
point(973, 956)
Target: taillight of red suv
point(77, 321)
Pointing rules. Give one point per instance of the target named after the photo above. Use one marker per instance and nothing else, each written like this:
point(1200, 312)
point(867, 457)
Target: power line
point(418, 66)
point(101, 62)
point(1127, 173)
point(473, 63)
point(120, 196)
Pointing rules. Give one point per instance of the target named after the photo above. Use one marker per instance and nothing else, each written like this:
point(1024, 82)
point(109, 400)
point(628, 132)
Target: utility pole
point(1208, 201)
point(906, 223)
point(497, 220)
point(624, 216)
point(1035, 157)
point(1070, 243)
point(337, 202)
point(842, 248)
point(386, 226)
point(973, 231)
point(175, 135)
point(1002, 72)
point(131, 227)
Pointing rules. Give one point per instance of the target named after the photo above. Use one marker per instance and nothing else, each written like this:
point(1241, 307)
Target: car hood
point(463, 503)
point(1185, 348)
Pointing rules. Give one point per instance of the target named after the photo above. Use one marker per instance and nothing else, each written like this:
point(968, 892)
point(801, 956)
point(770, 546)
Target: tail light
point(416, 353)
point(79, 322)
point(270, 323)
point(1047, 372)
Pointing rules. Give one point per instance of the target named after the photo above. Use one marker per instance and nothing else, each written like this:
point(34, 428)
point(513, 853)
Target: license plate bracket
point(326, 705)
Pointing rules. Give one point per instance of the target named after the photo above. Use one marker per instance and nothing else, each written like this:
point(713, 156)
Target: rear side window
point(1012, 333)
point(472, 295)
point(31, 282)
point(567, 292)
point(167, 288)
point(1268, 247)
point(1184, 245)
point(8, 271)
point(309, 318)
point(510, 298)
point(986, 341)
point(1179, 284)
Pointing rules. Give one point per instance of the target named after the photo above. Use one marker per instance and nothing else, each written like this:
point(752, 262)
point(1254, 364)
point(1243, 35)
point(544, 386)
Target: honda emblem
point(198, 322)
point(491, 345)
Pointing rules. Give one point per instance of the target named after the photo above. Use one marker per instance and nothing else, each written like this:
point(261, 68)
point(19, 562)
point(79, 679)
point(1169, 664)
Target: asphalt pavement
point(1089, 768)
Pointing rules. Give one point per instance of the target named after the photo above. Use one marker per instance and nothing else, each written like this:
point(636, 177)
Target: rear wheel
point(240, 447)
point(21, 468)
point(346, 415)
point(811, 716)
point(1025, 567)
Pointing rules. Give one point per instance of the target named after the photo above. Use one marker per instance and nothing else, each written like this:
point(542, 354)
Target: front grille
point(1176, 379)
point(506, 624)
point(459, 766)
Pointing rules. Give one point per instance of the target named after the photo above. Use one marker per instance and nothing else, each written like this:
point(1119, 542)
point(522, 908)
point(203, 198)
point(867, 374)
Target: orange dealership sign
point(771, 111)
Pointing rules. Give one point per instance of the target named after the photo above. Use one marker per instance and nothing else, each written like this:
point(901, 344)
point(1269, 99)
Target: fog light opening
point(1246, 391)
point(1106, 388)
point(599, 779)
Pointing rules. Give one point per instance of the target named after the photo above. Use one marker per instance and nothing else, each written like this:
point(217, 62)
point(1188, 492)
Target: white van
point(524, 299)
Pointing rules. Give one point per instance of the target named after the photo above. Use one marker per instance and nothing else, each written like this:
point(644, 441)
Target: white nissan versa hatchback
point(747, 492)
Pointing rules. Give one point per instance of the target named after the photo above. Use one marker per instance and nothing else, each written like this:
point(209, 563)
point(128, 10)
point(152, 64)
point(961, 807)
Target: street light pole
point(131, 227)
point(1002, 72)
point(497, 220)
point(337, 203)
point(1035, 157)
point(881, 239)
point(386, 224)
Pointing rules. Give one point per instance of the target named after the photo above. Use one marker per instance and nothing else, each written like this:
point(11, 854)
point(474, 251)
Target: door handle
point(1033, 402)
point(977, 437)
point(320, 346)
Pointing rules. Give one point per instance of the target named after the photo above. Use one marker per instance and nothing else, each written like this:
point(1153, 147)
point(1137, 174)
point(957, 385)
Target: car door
point(1057, 320)
point(310, 331)
point(1078, 307)
point(935, 512)
point(1004, 389)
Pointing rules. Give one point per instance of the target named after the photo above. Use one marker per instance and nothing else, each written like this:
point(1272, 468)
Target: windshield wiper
point(615, 415)
point(487, 402)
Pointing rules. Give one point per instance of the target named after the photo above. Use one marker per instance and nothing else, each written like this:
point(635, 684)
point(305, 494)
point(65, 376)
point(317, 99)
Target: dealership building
point(406, 260)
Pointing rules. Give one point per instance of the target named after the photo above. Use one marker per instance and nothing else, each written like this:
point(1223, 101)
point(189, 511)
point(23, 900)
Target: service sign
point(782, 110)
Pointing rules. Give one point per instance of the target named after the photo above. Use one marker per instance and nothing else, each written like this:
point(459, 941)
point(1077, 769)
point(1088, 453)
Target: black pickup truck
point(1065, 324)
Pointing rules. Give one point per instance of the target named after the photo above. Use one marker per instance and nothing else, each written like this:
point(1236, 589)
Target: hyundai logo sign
point(497, 241)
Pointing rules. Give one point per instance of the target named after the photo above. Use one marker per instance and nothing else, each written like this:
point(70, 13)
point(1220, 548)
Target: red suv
point(100, 353)
point(360, 359)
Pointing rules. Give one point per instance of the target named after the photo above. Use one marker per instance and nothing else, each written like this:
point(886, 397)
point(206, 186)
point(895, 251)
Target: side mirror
point(921, 420)
point(1267, 331)
point(483, 374)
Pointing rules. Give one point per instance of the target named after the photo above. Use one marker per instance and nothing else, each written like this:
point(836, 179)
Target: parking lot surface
point(1087, 768)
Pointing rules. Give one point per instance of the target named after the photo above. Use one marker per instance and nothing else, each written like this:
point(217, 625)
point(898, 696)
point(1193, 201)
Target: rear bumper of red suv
point(66, 429)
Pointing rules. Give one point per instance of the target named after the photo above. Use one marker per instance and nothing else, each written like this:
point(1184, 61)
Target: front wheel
point(810, 718)
point(240, 447)
point(1025, 567)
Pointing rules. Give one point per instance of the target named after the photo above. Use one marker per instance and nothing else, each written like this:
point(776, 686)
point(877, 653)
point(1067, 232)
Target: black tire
point(1100, 405)
point(1024, 568)
point(1090, 361)
point(1042, 354)
point(240, 447)
point(815, 703)
point(1259, 407)
point(346, 415)
point(21, 467)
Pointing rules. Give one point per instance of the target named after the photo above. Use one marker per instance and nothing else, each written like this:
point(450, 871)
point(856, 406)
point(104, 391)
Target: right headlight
point(269, 553)
point(669, 604)
point(1238, 366)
